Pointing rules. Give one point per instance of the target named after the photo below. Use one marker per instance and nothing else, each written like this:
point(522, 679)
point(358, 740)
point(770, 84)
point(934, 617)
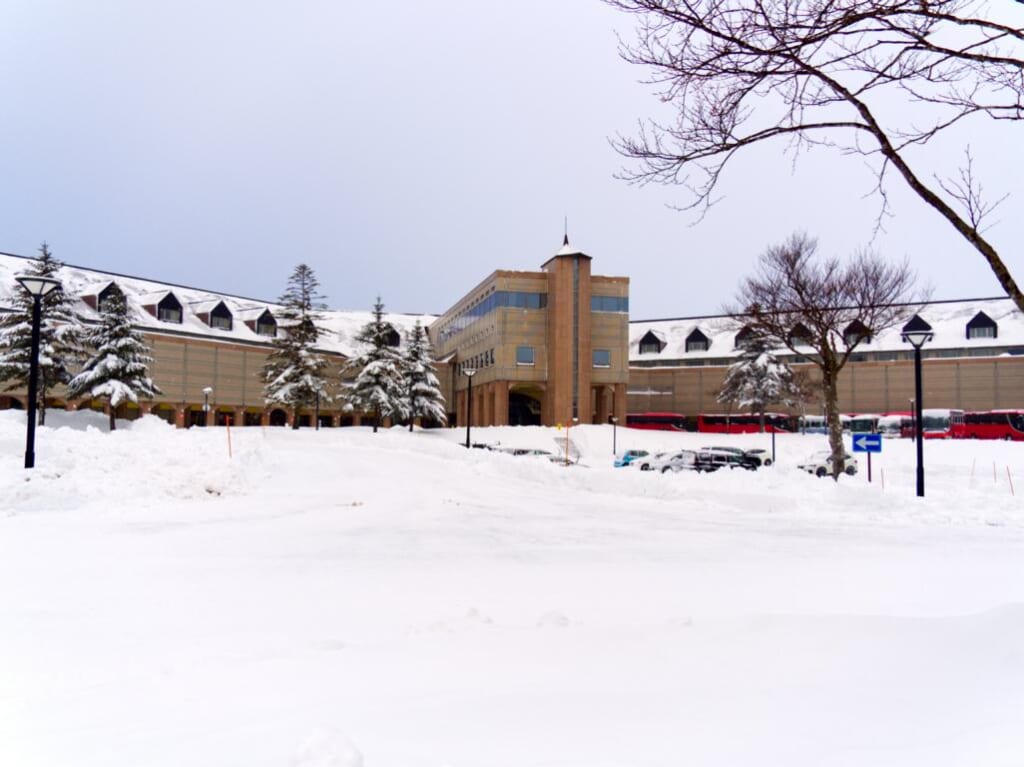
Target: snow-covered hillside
point(343, 598)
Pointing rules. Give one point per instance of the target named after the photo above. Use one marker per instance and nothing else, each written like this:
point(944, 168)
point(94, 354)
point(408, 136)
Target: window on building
point(697, 342)
point(391, 338)
point(220, 317)
point(602, 358)
point(169, 314)
point(650, 344)
point(982, 326)
point(856, 333)
point(525, 355)
point(609, 304)
point(266, 325)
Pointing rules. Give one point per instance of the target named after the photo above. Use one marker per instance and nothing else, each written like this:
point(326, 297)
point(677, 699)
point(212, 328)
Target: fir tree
point(294, 374)
point(60, 335)
point(422, 389)
point(758, 379)
point(117, 369)
point(378, 385)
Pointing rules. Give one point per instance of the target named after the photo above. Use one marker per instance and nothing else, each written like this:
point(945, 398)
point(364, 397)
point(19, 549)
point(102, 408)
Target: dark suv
point(714, 458)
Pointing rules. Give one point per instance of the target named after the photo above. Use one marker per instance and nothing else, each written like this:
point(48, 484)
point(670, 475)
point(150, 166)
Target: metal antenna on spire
point(565, 240)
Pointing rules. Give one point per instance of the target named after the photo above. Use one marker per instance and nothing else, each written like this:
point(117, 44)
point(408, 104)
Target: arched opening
point(224, 416)
point(164, 412)
point(305, 420)
point(195, 416)
point(11, 403)
point(127, 411)
point(278, 417)
point(252, 417)
point(524, 406)
point(346, 420)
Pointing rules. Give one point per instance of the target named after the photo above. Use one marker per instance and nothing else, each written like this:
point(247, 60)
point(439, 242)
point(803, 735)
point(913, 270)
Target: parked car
point(732, 457)
point(820, 464)
point(679, 460)
point(628, 457)
point(762, 455)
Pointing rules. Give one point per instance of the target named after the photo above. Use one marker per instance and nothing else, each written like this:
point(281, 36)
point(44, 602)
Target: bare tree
point(831, 307)
point(875, 78)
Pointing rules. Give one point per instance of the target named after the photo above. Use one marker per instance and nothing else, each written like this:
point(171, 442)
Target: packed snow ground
point(340, 598)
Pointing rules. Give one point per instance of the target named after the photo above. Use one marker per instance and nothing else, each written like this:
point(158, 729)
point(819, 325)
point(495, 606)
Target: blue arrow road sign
point(867, 443)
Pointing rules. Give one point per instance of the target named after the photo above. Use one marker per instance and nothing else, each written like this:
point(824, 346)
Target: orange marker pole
point(227, 425)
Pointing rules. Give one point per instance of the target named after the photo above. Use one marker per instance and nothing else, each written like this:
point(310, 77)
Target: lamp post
point(917, 333)
point(37, 287)
point(574, 420)
point(913, 421)
point(207, 391)
point(615, 423)
point(469, 372)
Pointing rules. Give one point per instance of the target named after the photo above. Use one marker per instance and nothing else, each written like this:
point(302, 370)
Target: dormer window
point(982, 326)
point(266, 325)
point(650, 343)
point(391, 338)
point(743, 338)
point(800, 335)
point(856, 332)
point(697, 341)
point(220, 317)
point(169, 309)
point(103, 296)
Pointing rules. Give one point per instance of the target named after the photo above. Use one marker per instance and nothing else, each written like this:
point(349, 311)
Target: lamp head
point(207, 390)
point(469, 372)
point(38, 286)
point(917, 332)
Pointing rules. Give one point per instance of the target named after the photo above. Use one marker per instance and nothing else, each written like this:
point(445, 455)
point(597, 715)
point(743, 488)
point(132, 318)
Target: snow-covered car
point(629, 456)
point(820, 464)
point(732, 457)
point(757, 455)
point(679, 460)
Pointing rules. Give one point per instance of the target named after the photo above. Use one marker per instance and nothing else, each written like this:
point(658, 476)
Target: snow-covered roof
point(152, 297)
point(948, 320)
point(207, 306)
point(340, 327)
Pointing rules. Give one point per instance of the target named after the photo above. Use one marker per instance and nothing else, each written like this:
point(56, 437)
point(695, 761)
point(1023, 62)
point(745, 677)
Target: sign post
point(867, 442)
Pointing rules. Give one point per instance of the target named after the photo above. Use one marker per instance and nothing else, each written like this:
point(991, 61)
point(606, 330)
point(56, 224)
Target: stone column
point(501, 403)
point(619, 403)
point(179, 417)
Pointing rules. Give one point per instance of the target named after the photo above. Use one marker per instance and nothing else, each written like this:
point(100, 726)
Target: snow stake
point(227, 425)
point(1010, 478)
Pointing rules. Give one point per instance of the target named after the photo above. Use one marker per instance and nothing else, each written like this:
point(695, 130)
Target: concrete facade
point(531, 338)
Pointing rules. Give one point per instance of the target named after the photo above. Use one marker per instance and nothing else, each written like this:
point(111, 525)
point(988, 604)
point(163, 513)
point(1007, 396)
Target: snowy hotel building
point(548, 346)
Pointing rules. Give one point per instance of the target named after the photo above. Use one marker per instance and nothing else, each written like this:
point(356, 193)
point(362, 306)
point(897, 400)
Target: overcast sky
point(406, 149)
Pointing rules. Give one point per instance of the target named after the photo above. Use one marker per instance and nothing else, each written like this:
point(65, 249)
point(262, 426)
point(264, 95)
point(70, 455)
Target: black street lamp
point(37, 287)
point(469, 373)
point(917, 333)
point(615, 423)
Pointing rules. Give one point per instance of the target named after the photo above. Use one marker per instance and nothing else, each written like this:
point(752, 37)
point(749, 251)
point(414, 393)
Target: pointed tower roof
point(566, 250)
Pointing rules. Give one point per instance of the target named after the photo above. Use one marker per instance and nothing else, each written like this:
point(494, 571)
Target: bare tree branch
point(823, 73)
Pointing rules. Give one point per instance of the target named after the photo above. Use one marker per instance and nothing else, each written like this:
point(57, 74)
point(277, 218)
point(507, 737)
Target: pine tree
point(758, 379)
point(378, 385)
point(294, 374)
point(117, 369)
point(422, 389)
point(60, 335)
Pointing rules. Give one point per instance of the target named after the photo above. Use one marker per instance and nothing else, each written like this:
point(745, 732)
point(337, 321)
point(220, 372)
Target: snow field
point(343, 598)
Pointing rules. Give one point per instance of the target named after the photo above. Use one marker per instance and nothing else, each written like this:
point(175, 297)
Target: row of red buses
point(995, 424)
point(937, 423)
point(744, 423)
point(657, 421)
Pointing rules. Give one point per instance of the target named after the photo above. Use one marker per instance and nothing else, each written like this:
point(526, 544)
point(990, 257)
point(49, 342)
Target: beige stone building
point(545, 347)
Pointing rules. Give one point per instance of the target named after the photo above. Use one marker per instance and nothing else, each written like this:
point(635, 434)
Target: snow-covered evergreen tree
point(378, 388)
point(423, 398)
point(117, 368)
point(60, 335)
point(758, 379)
point(294, 374)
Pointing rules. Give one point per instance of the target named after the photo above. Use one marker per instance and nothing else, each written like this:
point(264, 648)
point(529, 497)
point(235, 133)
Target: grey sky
point(408, 153)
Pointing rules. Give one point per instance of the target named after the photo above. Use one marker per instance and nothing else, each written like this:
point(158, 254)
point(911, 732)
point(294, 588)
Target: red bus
point(656, 421)
point(744, 423)
point(939, 423)
point(995, 424)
